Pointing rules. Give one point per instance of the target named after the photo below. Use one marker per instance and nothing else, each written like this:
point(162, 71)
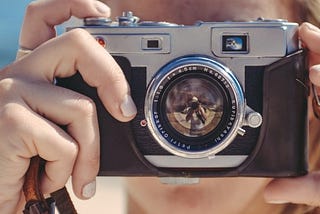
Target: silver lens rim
point(163, 74)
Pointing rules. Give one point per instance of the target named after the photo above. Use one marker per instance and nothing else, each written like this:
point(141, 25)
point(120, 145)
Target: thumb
point(75, 51)
point(301, 190)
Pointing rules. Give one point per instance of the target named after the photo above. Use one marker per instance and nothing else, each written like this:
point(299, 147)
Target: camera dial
point(97, 21)
point(195, 107)
point(127, 19)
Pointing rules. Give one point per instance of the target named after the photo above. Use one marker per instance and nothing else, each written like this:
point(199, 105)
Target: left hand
point(305, 189)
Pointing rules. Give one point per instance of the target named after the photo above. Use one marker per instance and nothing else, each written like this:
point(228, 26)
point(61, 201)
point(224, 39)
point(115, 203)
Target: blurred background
point(11, 16)
point(110, 196)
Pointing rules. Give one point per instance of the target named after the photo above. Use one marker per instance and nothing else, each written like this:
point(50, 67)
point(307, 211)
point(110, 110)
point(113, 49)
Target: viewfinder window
point(235, 43)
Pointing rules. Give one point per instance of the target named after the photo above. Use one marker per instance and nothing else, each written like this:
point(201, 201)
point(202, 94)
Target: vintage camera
point(213, 99)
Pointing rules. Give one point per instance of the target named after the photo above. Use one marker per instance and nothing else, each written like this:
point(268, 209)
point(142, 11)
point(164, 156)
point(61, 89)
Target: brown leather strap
point(35, 201)
point(30, 187)
point(36, 204)
point(63, 201)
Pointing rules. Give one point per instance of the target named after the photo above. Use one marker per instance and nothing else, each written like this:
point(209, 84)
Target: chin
point(215, 195)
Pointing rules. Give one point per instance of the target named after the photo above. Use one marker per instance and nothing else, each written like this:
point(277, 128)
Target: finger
point(310, 36)
point(314, 74)
point(301, 190)
point(78, 50)
point(78, 113)
point(31, 136)
point(11, 181)
point(41, 17)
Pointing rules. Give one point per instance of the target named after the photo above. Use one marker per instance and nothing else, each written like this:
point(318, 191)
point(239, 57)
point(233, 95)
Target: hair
point(310, 11)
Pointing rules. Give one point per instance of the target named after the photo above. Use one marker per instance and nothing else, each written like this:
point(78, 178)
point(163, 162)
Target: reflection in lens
point(194, 106)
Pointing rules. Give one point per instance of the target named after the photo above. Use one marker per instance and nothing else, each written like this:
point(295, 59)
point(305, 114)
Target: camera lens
point(194, 107)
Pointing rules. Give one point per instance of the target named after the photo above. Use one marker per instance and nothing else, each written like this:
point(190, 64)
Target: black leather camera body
point(213, 99)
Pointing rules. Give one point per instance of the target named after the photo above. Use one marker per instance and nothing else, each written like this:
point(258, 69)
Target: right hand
point(32, 109)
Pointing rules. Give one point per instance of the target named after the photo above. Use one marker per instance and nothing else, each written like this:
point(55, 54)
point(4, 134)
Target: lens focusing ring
point(210, 143)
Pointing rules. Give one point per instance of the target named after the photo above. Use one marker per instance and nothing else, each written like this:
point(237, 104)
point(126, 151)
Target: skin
point(29, 121)
point(188, 11)
point(148, 195)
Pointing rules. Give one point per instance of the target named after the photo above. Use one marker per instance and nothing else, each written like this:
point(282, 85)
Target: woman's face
point(189, 11)
point(211, 195)
point(215, 195)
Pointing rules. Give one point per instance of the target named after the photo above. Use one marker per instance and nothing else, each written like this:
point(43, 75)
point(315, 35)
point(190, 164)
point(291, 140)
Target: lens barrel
point(194, 107)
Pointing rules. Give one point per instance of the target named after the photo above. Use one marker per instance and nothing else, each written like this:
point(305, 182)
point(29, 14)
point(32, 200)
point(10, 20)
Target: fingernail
point(89, 190)
point(315, 68)
point(128, 108)
point(102, 8)
point(278, 202)
point(312, 27)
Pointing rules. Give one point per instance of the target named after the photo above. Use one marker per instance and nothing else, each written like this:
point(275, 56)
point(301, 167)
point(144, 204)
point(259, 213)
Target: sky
point(11, 17)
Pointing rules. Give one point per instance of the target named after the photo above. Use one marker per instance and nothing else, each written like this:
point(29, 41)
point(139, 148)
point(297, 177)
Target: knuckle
point(117, 75)
point(6, 85)
point(10, 82)
point(75, 151)
point(84, 106)
point(71, 154)
point(32, 8)
point(11, 112)
point(79, 37)
point(12, 115)
point(93, 161)
point(303, 27)
point(72, 149)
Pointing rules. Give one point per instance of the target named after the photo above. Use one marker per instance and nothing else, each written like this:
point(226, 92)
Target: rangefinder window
point(235, 44)
point(153, 43)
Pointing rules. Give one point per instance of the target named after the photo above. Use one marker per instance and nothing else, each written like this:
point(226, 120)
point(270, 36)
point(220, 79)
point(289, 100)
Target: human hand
point(305, 189)
point(33, 109)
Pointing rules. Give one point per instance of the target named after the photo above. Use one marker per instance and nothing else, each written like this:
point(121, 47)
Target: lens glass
point(194, 105)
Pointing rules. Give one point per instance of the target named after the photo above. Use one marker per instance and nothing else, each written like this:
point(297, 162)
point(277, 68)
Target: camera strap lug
point(241, 131)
